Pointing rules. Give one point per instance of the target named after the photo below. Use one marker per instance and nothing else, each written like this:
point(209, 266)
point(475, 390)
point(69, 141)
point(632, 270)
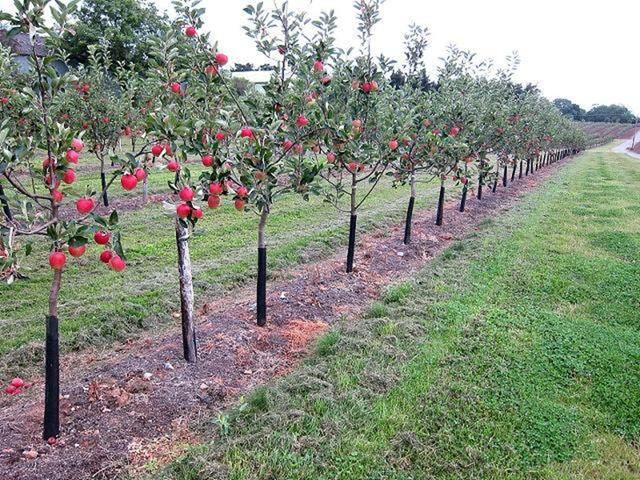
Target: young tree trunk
point(440, 211)
point(186, 294)
point(351, 249)
point(261, 292)
point(5, 204)
point(480, 180)
point(520, 171)
point(526, 173)
point(103, 183)
point(412, 199)
point(463, 199)
point(52, 363)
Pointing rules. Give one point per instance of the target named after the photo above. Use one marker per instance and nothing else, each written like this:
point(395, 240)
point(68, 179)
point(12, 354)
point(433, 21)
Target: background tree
point(569, 109)
point(125, 26)
point(610, 113)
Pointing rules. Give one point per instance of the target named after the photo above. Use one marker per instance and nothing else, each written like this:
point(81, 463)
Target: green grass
point(514, 356)
point(98, 306)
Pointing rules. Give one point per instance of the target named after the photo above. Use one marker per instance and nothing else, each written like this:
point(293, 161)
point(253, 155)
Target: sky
point(583, 50)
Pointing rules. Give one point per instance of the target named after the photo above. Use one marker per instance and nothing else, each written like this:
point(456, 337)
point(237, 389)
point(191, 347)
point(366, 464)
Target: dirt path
point(136, 401)
point(625, 147)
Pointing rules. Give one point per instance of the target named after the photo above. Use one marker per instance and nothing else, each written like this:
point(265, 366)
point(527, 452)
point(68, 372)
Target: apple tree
point(41, 216)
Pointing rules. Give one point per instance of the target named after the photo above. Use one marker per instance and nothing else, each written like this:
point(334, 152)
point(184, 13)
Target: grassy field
point(516, 354)
point(98, 306)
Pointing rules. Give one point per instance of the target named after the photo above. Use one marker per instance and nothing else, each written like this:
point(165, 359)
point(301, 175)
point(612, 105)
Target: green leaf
point(113, 218)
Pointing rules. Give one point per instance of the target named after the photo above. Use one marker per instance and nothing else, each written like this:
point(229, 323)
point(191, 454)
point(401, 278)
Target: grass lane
point(516, 354)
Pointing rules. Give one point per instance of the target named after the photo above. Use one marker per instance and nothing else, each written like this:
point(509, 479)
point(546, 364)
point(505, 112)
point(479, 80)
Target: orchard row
point(329, 122)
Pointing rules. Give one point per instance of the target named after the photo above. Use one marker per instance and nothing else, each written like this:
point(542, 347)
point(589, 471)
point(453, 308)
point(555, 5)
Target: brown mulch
point(135, 402)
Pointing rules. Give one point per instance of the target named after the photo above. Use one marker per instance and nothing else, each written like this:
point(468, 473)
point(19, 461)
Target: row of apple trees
point(327, 123)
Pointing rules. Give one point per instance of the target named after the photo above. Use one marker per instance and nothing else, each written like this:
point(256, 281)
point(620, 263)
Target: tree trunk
point(5, 204)
point(463, 199)
point(480, 180)
point(351, 249)
point(52, 363)
point(103, 182)
point(186, 294)
point(412, 199)
point(261, 292)
point(520, 171)
point(513, 171)
point(526, 173)
point(440, 211)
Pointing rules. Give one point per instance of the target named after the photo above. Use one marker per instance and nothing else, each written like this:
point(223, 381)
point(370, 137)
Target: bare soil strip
point(137, 400)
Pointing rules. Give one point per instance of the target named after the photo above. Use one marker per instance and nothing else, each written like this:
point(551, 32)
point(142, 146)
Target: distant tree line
point(599, 113)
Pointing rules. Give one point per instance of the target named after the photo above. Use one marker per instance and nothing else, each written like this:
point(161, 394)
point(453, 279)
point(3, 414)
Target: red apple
point(69, 176)
point(242, 191)
point(393, 144)
point(287, 145)
point(318, 66)
point(101, 237)
point(84, 205)
point(197, 213)
point(220, 136)
point(190, 31)
point(211, 70)
point(186, 194)
point(77, 145)
point(246, 132)
point(157, 150)
point(175, 87)
point(11, 390)
point(17, 382)
point(106, 256)
point(77, 251)
point(128, 181)
point(57, 260)
point(140, 174)
point(207, 160)
point(117, 264)
point(72, 156)
point(183, 210)
point(57, 196)
point(453, 131)
point(302, 121)
point(213, 201)
point(173, 166)
point(366, 87)
point(239, 204)
point(216, 188)
point(221, 59)
point(331, 157)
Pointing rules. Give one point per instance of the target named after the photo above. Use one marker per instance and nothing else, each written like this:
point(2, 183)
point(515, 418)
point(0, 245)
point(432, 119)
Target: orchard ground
point(515, 354)
point(537, 347)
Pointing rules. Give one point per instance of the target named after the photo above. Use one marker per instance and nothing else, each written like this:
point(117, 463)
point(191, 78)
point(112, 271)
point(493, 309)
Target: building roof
point(21, 45)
